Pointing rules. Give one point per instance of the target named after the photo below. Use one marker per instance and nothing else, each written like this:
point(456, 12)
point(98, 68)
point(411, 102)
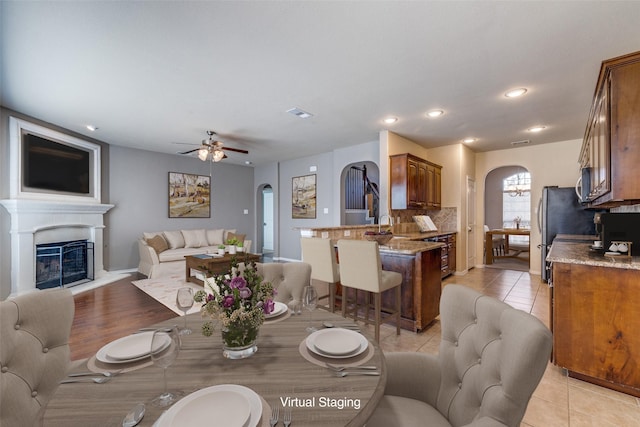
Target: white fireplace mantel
point(42, 221)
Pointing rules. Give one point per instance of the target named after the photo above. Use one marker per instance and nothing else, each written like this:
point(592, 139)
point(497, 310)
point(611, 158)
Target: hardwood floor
point(111, 312)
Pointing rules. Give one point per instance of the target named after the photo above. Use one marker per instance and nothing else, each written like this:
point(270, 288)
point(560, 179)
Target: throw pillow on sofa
point(174, 239)
point(238, 237)
point(194, 238)
point(215, 237)
point(158, 243)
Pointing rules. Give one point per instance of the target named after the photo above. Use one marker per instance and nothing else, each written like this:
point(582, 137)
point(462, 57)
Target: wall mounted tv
point(53, 166)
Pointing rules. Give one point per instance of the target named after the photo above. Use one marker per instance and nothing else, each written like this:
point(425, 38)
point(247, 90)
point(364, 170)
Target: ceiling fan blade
point(237, 150)
point(190, 151)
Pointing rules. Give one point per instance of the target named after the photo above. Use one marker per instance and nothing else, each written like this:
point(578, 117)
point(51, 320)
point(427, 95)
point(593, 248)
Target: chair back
point(321, 255)
point(34, 353)
point(288, 278)
point(360, 265)
point(492, 357)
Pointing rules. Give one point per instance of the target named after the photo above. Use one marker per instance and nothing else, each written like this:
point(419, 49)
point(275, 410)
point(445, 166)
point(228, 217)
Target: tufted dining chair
point(34, 353)
point(491, 360)
point(288, 278)
point(321, 254)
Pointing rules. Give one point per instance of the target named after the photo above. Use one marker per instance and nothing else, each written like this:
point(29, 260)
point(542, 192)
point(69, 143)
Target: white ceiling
point(153, 74)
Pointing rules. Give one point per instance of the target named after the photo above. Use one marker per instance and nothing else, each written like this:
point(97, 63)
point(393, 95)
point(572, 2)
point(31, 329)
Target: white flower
point(211, 281)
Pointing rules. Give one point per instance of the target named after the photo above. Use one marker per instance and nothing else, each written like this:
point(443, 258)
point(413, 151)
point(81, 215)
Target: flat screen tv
point(53, 166)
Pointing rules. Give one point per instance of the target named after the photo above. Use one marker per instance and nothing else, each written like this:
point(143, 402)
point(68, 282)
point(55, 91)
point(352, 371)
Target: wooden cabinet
point(420, 289)
point(595, 323)
point(415, 183)
point(611, 145)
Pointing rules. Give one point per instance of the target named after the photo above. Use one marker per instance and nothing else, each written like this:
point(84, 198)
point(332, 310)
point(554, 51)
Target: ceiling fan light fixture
point(203, 153)
point(217, 155)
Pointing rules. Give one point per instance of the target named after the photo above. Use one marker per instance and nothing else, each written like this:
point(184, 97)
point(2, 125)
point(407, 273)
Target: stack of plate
point(278, 310)
point(227, 405)
point(337, 343)
point(129, 349)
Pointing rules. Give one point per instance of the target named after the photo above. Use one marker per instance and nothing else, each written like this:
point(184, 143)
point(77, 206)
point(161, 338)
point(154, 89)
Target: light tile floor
point(559, 401)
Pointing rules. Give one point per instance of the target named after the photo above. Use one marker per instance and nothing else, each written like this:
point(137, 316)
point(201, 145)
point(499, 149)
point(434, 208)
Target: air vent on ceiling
point(300, 113)
point(523, 142)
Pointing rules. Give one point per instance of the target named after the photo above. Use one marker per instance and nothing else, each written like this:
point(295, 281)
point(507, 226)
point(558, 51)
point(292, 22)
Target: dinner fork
point(106, 374)
point(286, 419)
point(275, 414)
point(98, 380)
point(347, 368)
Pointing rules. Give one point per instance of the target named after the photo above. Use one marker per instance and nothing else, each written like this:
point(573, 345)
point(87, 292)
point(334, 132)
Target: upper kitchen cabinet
point(611, 148)
point(415, 183)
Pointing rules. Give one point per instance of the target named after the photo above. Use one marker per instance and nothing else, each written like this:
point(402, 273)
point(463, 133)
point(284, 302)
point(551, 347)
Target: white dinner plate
point(226, 405)
point(337, 342)
point(277, 310)
point(136, 341)
point(310, 342)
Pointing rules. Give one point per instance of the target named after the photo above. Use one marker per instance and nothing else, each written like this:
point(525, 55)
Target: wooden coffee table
point(215, 265)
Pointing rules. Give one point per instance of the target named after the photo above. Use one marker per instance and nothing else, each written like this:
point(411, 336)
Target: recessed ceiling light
point(469, 140)
point(390, 120)
point(92, 128)
point(536, 128)
point(514, 93)
point(435, 113)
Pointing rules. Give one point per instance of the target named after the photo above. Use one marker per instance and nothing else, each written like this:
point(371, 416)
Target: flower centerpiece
point(239, 300)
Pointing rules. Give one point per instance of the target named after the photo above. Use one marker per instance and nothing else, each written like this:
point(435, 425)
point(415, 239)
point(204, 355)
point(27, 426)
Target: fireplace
point(64, 264)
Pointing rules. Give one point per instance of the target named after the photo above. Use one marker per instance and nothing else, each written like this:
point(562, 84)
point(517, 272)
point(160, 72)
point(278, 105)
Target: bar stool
point(321, 255)
point(361, 269)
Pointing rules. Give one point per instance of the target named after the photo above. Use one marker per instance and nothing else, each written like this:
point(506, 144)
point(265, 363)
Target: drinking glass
point(309, 301)
point(165, 346)
point(184, 301)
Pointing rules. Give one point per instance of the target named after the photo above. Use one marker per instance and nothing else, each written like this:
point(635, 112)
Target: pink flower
point(268, 306)
point(238, 282)
point(245, 293)
point(228, 301)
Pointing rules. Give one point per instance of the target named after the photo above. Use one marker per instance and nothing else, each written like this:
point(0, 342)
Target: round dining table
point(279, 372)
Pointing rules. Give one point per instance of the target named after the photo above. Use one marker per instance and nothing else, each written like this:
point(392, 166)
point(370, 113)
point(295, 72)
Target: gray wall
point(138, 182)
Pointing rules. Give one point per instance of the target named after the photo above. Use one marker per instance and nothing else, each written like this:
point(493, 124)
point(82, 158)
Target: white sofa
point(162, 252)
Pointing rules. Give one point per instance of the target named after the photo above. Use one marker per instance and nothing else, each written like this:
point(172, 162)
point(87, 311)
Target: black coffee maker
point(619, 227)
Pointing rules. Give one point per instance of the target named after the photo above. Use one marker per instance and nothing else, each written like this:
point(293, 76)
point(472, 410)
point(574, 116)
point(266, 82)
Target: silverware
point(165, 329)
point(134, 416)
point(287, 417)
point(106, 374)
point(275, 414)
point(350, 368)
point(347, 373)
point(98, 380)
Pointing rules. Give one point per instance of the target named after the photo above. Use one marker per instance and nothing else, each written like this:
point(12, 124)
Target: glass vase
point(239, 340)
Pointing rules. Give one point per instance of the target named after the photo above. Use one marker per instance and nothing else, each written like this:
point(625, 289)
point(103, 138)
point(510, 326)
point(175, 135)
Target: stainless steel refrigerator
point(560, 212)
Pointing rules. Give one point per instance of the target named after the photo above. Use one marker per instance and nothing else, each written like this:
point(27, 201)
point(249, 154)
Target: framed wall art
point(303, 197)
point(189, 195)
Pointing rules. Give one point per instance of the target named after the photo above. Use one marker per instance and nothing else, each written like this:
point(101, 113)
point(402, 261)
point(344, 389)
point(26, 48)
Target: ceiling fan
point(213, 147)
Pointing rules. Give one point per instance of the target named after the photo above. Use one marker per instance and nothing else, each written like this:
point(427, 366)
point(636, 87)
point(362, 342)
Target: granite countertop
point(408, 247)
point(424, 235)
point(581, 253)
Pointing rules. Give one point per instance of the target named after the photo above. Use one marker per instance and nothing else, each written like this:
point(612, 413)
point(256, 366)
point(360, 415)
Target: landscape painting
point(189, 195)
point(303, 197)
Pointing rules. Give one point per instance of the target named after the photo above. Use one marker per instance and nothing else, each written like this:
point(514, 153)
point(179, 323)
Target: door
point(267, 219)
point(471, 222)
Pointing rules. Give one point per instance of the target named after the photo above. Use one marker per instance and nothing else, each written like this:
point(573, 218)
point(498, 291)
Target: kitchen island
point(595, 315)
point(418, 261)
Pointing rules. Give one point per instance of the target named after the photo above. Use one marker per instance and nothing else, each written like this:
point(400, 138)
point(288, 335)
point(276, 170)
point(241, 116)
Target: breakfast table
point(506, 232)
point(283, 372)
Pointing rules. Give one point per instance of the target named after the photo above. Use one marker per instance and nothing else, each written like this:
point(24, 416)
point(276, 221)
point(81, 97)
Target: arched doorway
point(266, 221)
point(507, 205)
point(360, 197)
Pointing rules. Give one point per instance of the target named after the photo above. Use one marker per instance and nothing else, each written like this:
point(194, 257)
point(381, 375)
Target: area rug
point(165, 289)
